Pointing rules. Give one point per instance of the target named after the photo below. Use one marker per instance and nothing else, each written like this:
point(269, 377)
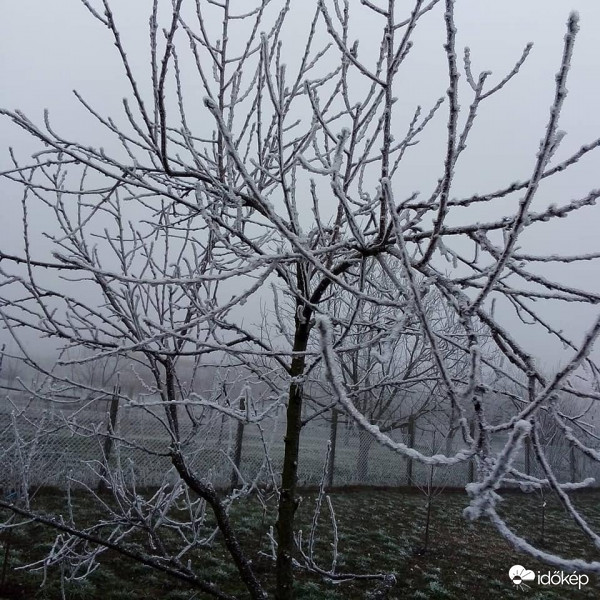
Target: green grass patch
point(379, 532)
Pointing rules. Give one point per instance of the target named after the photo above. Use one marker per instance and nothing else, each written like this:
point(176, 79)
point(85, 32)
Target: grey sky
point(47, 49)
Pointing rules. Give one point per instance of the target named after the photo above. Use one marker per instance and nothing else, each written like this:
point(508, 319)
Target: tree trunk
point(108, 440)
point(171, 406)
point(472, 461)
point(528, 456)
point(573, 464)
point(237, 453)
point(411, 443)
point(365, 440)
point(332, 441)
point(429, 503)
point(288, 502)
point(450, 436)
point(207, 491)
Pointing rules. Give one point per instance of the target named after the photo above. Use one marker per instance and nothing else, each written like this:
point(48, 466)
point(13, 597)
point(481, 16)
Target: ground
point(379, 531)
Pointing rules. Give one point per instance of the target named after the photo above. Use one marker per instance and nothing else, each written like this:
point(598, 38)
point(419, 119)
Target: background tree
point(393, 381)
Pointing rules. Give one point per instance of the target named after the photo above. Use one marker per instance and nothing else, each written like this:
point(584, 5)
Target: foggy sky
point(47, 49)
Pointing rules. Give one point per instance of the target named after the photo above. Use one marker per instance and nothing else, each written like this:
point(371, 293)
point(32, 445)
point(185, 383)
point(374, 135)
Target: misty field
point(379, 531)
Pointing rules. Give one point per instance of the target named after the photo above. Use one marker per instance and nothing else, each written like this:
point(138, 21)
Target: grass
point(379, 531)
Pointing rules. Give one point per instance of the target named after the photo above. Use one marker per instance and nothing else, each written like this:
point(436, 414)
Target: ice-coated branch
point(543, 157)
point(523, 545)
point(156, 248)
point(336, 381)
point(147, 560)
point(483, 493)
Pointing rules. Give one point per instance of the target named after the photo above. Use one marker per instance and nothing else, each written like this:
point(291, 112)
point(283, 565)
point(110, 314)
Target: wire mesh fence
point(49, 443)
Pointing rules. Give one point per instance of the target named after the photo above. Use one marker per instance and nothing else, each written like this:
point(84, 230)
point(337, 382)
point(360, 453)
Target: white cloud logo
point(519, 575)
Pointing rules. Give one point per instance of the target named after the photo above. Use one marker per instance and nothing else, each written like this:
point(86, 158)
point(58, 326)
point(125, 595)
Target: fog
point(48, 49)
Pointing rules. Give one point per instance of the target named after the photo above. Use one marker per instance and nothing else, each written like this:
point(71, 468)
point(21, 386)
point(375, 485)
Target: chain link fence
point(47, 443)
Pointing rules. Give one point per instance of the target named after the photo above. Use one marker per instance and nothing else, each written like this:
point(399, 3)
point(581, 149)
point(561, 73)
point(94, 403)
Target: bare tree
point(289, 176)
point(392, 381)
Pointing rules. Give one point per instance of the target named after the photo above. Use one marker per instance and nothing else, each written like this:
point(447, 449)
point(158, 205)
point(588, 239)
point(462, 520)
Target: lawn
point(379, 531)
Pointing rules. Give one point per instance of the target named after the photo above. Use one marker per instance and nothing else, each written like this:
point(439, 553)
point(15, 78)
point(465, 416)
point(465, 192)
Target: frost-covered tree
point(239, 162)
point(392, 379)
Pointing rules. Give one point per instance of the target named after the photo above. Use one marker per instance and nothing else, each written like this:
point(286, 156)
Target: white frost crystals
point(244, 271)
